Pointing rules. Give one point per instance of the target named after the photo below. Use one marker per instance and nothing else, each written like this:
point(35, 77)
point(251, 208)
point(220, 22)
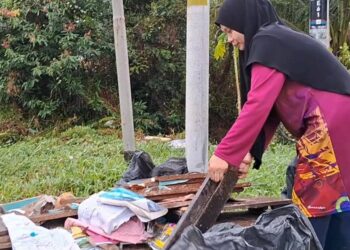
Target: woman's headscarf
point(246, 17)
point(269, 42)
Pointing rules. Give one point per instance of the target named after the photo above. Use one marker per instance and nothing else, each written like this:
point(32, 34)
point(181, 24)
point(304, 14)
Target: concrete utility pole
point(319, 25)
point(197, 85)
point(124, 88)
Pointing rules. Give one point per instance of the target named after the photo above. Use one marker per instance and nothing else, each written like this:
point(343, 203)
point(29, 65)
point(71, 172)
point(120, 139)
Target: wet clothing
point(318, 119)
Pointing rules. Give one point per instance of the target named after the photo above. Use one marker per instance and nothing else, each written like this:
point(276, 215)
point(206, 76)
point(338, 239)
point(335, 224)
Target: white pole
point(328, 43)
point(197, 85)
point(319, 25)
point(124, 88)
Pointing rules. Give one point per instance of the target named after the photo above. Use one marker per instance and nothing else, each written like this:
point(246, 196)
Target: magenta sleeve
point(266, 84)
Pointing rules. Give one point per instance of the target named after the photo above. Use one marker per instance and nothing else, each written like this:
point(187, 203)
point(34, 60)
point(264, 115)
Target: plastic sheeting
point(25, 235)
point(172, 166)
point(283, 228)
point(140, 167)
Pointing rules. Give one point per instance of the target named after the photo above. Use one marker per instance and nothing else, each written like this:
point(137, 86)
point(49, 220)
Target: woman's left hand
point(243, 168)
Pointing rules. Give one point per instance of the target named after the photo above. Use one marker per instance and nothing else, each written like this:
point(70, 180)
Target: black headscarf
point(269, 42)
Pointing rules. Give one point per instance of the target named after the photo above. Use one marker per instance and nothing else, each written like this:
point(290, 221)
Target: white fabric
point(24, 235)
point(106, 217)
point(145, 209)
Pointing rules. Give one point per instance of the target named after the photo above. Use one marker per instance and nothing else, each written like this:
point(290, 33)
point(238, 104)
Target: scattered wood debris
point(174, 191)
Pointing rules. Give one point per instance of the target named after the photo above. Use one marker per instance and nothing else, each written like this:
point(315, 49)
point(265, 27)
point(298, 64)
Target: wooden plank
point(175, 204)
point(258, 202)
point(181, 191)
point(206, 206)
point(188, 176)
point(157, 193)
point(3, 228)
point(5, 246)
point(175, 189)
point(53, 216)
point(5, 239)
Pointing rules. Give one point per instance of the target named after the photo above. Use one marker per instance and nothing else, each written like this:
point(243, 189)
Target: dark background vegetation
point(57, 62)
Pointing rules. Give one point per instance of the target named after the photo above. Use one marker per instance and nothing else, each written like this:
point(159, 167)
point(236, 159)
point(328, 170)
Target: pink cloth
point(132, 231)
point(96, 239)
point(266, 84)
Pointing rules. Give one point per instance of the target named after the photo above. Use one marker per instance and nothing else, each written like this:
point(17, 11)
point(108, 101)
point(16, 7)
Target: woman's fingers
point(244, 167)
point(216, 176)
point(217, 168)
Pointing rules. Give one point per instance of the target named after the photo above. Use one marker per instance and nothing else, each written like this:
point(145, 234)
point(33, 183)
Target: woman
point(288, 77)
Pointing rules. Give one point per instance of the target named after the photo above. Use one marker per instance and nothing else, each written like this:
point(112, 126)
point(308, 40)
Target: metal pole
point(319, 25)
point(124, 88)
point(197, 85)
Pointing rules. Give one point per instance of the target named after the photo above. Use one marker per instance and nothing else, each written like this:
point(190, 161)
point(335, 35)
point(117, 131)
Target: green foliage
point(53, 56)
point(156, 31)
point(344, 55)
point(12, 125)
point(144, 120)
point(340, 23)
point(220, 48)
point(296, 14)
point(270, 178)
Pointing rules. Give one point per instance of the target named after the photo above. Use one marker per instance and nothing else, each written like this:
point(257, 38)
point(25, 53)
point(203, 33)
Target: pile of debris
point(39, 210)
point(174, 191)
point(142, 210)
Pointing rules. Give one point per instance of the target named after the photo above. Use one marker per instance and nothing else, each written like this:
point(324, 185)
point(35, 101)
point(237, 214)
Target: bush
point(344, 55)
point(55, 56)
point(157, 35)
point(57, 61)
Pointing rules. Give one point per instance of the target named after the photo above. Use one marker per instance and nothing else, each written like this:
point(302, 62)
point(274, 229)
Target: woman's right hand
point(218, 167)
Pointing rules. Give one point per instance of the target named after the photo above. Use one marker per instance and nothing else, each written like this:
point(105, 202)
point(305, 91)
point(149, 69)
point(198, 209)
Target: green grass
point(83, 160)
point(270, 178)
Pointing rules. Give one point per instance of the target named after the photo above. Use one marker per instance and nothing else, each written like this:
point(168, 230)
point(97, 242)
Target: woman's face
point(234, 37)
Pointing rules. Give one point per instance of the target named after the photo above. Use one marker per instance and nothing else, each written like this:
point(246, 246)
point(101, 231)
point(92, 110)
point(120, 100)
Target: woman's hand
point(243, 168)
point(217, 168)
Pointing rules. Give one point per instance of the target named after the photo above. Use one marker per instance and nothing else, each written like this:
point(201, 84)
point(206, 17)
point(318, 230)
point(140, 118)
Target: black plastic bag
point(140, 167)
point(283, 228)
point(172, 166)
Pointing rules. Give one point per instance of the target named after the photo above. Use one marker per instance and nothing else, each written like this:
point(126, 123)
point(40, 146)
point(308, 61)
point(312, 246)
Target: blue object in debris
point(33, 234)
point(19, 204)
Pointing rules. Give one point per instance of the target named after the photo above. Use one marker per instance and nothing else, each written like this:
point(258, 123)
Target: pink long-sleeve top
point(266, 84)
point(318, 119)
